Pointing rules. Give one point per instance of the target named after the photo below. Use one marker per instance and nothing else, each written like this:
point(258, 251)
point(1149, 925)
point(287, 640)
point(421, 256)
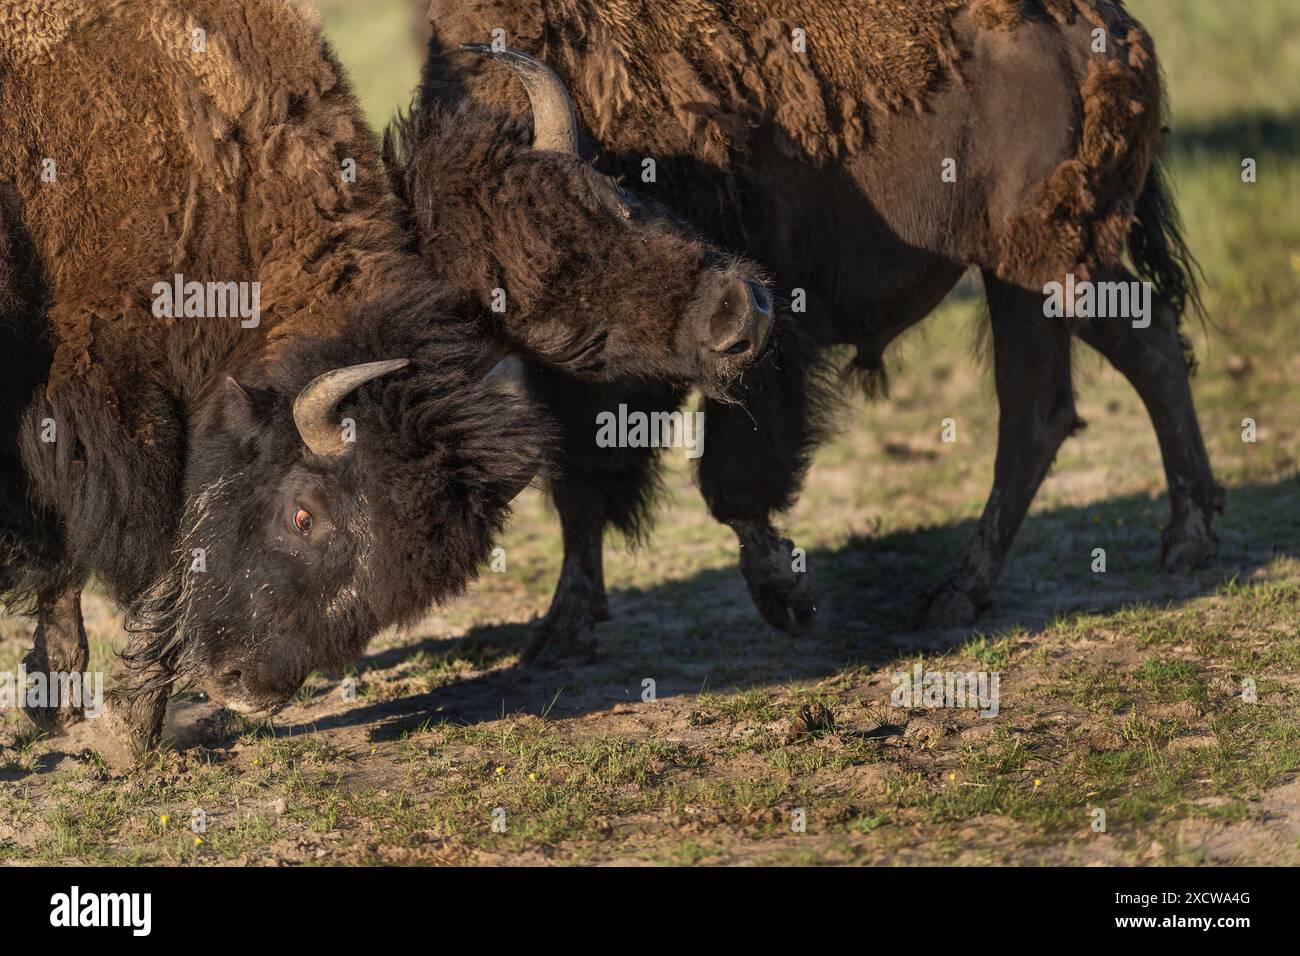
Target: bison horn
point(313, 409)
point(508, 376)
point(554, 125)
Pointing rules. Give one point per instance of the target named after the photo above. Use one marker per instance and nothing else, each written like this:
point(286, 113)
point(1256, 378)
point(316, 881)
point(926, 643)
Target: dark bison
point(868, 154)
point(232, 391)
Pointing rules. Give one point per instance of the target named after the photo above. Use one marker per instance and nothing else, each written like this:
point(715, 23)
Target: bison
point(868, 154)
point(234, 392)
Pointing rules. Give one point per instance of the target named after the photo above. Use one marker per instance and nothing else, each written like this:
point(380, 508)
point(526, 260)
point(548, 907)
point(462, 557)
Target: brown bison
point(868, 153)
point(232, 391)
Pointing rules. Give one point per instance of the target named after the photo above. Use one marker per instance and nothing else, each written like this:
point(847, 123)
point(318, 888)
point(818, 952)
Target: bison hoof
point(562, 635)
point(134, 724)
point(787, 599)
point(1188, 543)
point(50, 720)
point(789, 605)
point(948, 606)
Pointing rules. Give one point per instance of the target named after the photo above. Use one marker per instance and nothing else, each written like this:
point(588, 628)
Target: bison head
point(337, 491)
point(571, 268)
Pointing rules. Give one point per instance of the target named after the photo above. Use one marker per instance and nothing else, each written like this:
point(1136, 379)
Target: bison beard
point(165, 650)
point(180, 625)
point(163, 654)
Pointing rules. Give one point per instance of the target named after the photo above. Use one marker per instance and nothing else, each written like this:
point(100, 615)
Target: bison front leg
point(780, 584)
point(1036, 413)
point(60, 653)
point(137, 701)
point(579, 602)
point(756, 453)
point(593, 487)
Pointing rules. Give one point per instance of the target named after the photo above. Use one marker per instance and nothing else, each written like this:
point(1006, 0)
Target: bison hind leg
point(1031, 358)
point(1154, 361)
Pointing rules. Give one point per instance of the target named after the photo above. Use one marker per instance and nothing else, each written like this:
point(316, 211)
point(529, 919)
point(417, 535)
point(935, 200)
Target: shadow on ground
point(870, 587)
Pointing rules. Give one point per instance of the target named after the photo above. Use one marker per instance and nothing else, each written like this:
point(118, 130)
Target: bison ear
point(244, 405)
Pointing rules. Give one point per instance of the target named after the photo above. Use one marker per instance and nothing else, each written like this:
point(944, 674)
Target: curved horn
point(508, 376)
point(313, 409)
point(554, 125)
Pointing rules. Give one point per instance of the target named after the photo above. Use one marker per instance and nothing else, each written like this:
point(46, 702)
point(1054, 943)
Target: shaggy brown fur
point(825, 166)
point(710, 72)
point(32, 28)
point(1080, 218)
point(718, 67)
point(494, 214)
point(223, 164)
point(223, 140)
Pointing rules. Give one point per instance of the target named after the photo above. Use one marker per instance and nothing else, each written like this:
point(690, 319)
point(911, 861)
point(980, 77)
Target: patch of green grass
point(1174, 680)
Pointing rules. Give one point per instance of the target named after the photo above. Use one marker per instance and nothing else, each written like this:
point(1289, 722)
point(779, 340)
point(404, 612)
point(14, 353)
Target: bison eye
point(302, 520)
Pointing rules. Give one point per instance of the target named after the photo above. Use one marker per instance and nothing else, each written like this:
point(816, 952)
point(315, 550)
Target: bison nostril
point(762, 299)
point(733, 329)
point(230, 678)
